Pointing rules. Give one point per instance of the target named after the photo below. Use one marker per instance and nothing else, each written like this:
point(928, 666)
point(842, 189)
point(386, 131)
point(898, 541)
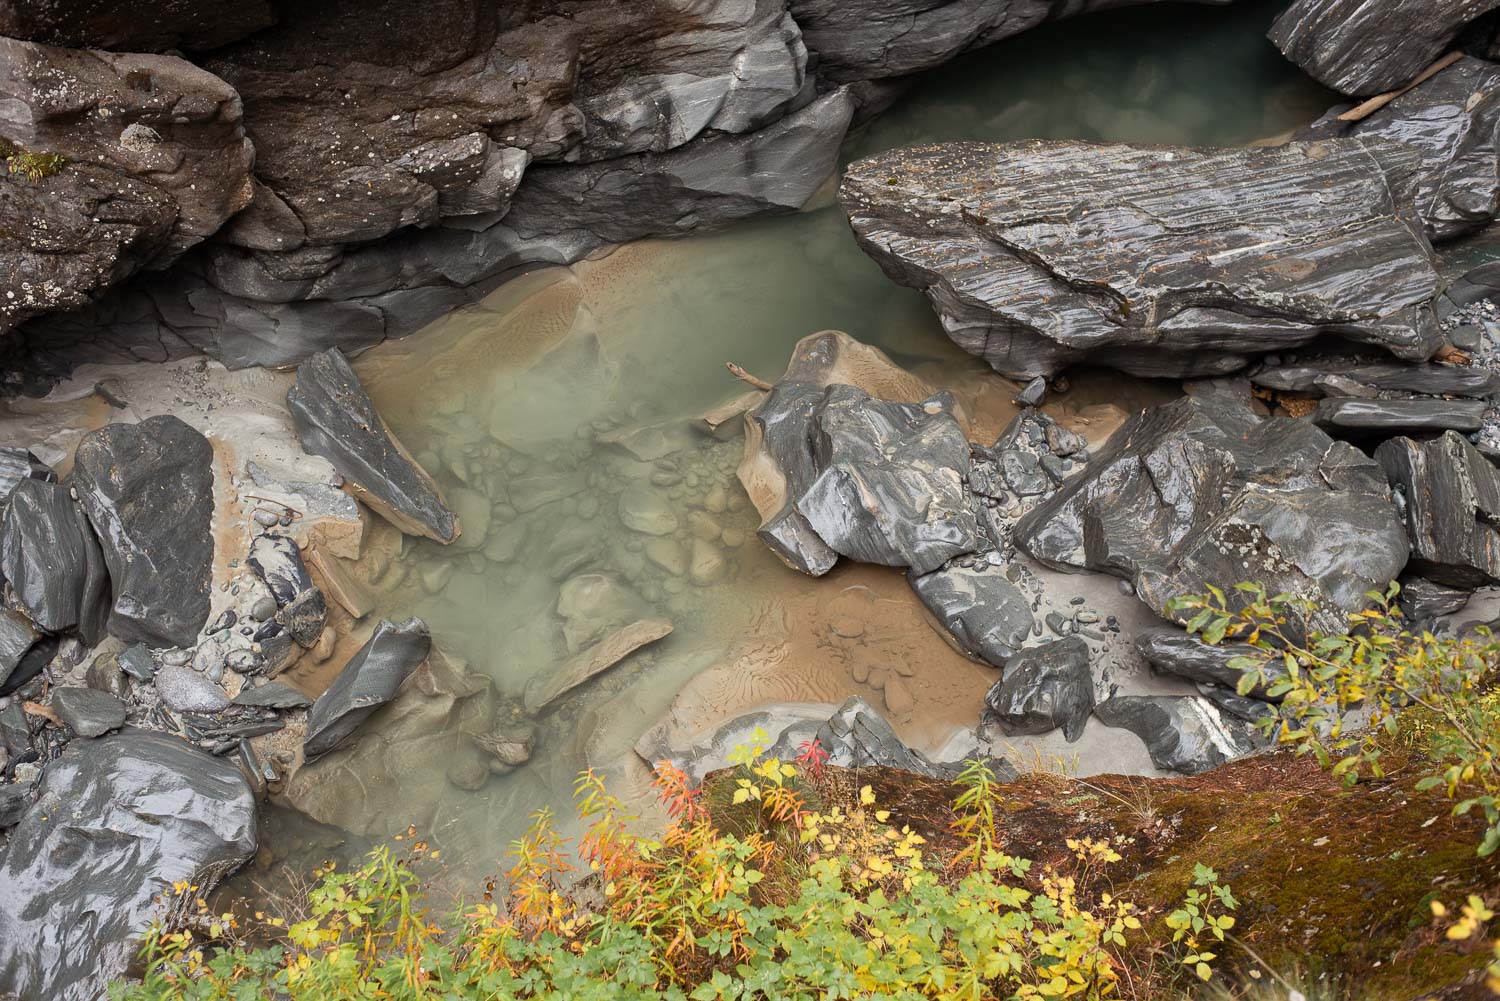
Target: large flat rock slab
point(336, 418)
point(1159, 261)
point(147, 489)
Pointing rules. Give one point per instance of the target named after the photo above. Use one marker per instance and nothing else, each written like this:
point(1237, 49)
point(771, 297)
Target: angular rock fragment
point(87, 711)
point(1432, 380)
point(544, 689)
point(152, 811)
point(273, 695)
point(1398, 416)
point(1453, 119)
point(1158, 261)
point(47, 553)
point(1171, 651)
point(1451, 497)
point(147, 489)
point(1361, 48)
point(31, 664)
point(1422, 600)
point(17, 636)
point(336, 419)
point(1192, 493)
point(1183, 733)
point(857, 736)
point(985, 613)
point(1045, 687)
point(17, 464)
point(370, 680)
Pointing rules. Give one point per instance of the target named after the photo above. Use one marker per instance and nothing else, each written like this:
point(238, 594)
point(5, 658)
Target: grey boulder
point(1193, 492)
point(1183, 733)
point(857, 736)
point(117, 822)
point(1045, 687)
point(1358, 47)
point(335, 418)
point(370, 680)
point(50, 557)
point(1452, 118)
point(1400, 416)
point(1171, 651)
point(88, 712)
point(1158, 261)
point(1451, 497)
point(987, 616)
point(17, 636)
point(1422, 600)
point(301, 607)
point(147, 489)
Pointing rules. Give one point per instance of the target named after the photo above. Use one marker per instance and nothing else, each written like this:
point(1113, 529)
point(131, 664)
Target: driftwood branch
point(1379, 101)
point(740, 373)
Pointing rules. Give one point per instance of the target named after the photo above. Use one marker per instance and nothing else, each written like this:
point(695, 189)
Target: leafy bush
point(33, 166)
point(813, 899)
point(1379, 668)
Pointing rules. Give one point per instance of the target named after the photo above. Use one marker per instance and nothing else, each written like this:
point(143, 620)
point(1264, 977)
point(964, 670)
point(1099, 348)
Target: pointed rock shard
point(336, 419)
point(370, 680)
point(1158, 261)
point(1451, 497)
point(544, 689)
point(1171, 651)
point(147, 489)
point(47, 553)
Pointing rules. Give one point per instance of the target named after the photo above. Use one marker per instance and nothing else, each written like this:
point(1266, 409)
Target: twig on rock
point(740, 373)
point(1379, 101)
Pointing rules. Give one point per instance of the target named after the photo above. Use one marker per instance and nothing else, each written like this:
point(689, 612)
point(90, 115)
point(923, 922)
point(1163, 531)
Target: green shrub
point(34, 166)
point(1446, 684)
point(834, 901)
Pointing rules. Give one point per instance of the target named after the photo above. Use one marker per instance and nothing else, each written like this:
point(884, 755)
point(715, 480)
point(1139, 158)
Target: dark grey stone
point(104, 675)
point(44, 554)
point(185, 690)
point(1183, 733)
point(1452, 118)
point(856, 736)
point(1401, 415)
point(1034, 393)
point(17, 464)
point(1360, 48)
point(15, 799)
point(16, 637)
point(1045, 687)
point(1452, 496)
point(273, 695)
point(31, 664)
point(370, 680)
point(88, 712)
point(1422, 600)
point(135, 660)
point(1171, 651)
point(336, 419)
point(1158, 261)
point(985, 613)
point(1191, 493)
point(1241, 707)
point(301, 608)
point(15, 735)
point(117, 821)
point(1432, 380)
point(147, 489)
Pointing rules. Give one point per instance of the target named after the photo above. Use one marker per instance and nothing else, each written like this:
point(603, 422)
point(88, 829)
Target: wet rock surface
point(1361, 48)
point(1171, 651)
point(88, 712)
point(1397, 416)
point(17, 464)
point(152, 811)
point(370, 680)
point(1452, 118)
point(1192, 493)
point(1451, 500)
point(336, 419)
point(1045, 687)
point(47, 553)
point(1184, 733)
point(1158, 261)
point(1422, 600)
point(1433, 380)
point(147, 489)
point(986, 614)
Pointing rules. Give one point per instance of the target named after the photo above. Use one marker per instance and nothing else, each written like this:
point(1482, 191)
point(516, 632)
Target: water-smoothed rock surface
point(118, 820)
point(51, 559)
point(1045, 687)
point(1451, 496)
point(987, 615)
point(1363, 47)
point(1195, 492)
point(336, 419)
point(1453, 118)
point(1183, 733)
point(1171, 651)
point(147, 489)
point(1159, 261)
point(370, 680)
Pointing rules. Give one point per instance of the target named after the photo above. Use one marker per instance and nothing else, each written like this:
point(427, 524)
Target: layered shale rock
point(137, 157)
point(1158, 261)
point(1451, 501)
point(370, 680)
point(147, 489)
point(336, 419)
point(1193, 492)
point(1183, 733)
point(1171, 651)
point(118, 821)
point(51, 559)
point(1045, 687)
point(1454, 119)
point(1360, 47)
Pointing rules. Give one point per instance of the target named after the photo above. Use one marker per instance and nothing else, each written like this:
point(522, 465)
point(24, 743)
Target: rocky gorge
point(280, 579)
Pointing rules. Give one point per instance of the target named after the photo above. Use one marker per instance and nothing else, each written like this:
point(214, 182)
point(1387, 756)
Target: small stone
point(263, 609)
point(184, 690)
point(135, 660)
point(706, 564)
point(1034, 394)
point(88, 712)
point(898, 697)
point(716, 500)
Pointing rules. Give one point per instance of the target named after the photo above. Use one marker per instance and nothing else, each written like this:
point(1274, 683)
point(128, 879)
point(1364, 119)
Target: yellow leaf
point(866, 796)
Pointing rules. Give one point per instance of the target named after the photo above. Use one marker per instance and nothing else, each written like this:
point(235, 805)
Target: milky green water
point(560, 416)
